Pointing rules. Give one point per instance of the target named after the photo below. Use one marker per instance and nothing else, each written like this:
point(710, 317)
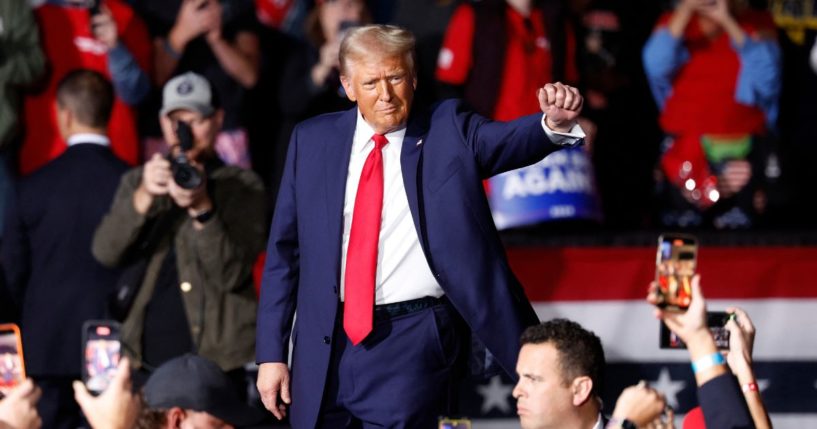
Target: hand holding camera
point(177, 176)
point(716, 10)
point(195, 17)
point(742, 336)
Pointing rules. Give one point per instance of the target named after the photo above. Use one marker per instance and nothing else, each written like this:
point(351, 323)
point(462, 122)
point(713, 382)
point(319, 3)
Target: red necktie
point(361, 256)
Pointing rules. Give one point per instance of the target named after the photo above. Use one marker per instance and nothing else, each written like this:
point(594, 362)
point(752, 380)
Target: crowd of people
point(144, 146)
point(560, 372)
point(713, 148)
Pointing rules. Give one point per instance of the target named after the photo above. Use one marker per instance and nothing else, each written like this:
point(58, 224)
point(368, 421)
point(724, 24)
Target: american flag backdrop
point(604, 290)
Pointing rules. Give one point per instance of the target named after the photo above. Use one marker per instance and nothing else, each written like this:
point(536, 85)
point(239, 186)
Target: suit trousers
point(400, 376)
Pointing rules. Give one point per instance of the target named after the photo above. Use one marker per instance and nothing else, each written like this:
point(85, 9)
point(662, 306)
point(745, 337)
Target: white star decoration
point(495, 395)
point(668, 387)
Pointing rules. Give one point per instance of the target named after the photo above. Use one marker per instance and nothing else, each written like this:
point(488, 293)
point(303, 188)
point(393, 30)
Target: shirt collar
point(599, 423)
point(364, 133)
point(89, 138)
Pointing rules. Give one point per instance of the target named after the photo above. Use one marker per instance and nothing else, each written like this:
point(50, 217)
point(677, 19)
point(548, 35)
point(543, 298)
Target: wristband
point(750, 387)
point(707, 362)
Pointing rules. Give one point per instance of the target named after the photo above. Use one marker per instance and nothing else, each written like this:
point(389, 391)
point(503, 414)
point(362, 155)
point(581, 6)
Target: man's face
point(383, 87)
point(544, 400)
point(204, 128)
point(202, 420)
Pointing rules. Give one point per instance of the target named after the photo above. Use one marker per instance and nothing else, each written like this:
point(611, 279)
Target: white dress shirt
point(599, 423)
point(403, 273)
point(89, 138)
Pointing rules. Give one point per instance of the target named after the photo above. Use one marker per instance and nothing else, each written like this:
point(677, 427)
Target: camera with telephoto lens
point(184, 173)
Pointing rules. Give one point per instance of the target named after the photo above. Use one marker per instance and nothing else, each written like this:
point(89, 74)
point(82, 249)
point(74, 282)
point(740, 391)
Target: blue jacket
point(446, 154)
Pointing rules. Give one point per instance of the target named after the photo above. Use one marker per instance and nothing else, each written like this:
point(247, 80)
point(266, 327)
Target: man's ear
point(64, 116)
point(175, 417)
point(581, 386)
point(348, 88)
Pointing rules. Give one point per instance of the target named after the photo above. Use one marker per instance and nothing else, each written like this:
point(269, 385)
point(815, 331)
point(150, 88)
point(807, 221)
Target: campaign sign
point(559, 187)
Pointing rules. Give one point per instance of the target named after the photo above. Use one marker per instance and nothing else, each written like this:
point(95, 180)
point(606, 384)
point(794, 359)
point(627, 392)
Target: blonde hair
point(388, 40)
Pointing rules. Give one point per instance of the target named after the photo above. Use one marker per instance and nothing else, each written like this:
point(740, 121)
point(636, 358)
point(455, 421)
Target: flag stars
point(668, 387)
point(495, 395)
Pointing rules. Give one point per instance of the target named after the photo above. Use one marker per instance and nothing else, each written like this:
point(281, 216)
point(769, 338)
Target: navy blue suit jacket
point(723, 404)
point(46, 254)
point(446, 154)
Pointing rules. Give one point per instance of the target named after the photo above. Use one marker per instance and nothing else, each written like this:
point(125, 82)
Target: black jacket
point(46, 254)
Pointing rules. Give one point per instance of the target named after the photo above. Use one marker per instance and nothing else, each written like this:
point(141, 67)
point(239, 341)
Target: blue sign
point(561, 186)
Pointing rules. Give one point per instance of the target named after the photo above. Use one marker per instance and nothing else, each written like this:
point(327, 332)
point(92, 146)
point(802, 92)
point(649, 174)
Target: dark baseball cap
point(194, 383)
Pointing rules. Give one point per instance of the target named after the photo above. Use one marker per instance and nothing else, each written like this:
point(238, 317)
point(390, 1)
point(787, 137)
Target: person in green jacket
point(21, 63)
point(196, 293)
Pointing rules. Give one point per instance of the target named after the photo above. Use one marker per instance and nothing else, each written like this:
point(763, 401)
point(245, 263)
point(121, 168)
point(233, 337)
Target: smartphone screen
point(675, 265)
point(101, 352)
point(12, 368)
point(715, 320)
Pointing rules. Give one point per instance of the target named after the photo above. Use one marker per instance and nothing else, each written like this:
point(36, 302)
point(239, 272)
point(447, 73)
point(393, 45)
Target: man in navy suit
point(383, 242)
point(46, 251)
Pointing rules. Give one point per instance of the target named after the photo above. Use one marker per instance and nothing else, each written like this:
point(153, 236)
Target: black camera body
point(184, 173)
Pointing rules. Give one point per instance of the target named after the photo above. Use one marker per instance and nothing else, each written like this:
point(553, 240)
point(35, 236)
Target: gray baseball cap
point(189, 91)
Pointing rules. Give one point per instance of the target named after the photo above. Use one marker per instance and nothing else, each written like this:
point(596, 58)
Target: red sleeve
point(454, 60)
point(134, 34)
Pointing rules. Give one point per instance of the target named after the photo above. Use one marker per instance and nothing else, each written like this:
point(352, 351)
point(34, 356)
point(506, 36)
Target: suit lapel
point(335, 166)
point(410, 163)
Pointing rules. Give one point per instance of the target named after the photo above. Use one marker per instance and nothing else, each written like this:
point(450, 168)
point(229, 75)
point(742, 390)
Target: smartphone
point(675, 265)
point(715, 320)
point(447, 423)
point(101, 349)
point(12, 366)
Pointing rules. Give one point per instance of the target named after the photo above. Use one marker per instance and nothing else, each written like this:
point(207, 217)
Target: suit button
point(326, 340)
point(186, 287)
point(335, 289)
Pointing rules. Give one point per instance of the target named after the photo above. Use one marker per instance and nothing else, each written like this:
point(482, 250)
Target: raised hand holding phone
point(117, 408)
point(675, 265)
point(101, 350)
point(12, 366)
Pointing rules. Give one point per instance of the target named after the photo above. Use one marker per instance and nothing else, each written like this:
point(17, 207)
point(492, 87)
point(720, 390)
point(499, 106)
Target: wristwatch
point(615, 423)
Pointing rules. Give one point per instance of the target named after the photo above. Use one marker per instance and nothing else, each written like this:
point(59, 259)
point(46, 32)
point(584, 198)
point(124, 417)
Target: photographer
point(195, 242)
